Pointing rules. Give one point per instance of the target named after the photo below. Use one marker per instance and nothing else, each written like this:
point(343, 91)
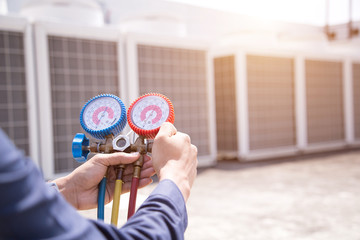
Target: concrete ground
point(312, 198)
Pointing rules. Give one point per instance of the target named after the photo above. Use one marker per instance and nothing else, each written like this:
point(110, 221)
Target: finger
point(116, 158)
point(166, 130)
point(129, 169)
point(111, 174)
point(142, 183)
point(127, 177)
point(183, 137)
point(194, 149)
point(149, 172)
point(148, 163)
point(145, 173)
point(147, 158)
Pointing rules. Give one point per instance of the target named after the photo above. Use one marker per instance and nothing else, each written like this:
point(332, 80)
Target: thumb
point(116, 158)
point(166, 130)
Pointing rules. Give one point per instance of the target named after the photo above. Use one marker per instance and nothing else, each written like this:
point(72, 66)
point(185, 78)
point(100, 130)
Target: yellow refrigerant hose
point(116, 199)
point(116, 202)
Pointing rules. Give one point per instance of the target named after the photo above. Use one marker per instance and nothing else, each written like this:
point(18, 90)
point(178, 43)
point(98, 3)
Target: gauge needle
point(148, 117)
point(102, 115)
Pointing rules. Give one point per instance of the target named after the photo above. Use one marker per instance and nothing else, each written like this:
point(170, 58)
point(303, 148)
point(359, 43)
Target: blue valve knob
point(80, 154)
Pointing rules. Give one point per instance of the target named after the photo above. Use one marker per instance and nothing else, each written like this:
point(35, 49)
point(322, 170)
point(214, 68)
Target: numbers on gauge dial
point(102, 113)
point(150, 112)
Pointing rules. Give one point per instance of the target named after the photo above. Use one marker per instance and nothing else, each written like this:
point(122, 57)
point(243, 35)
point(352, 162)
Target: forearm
point(179, 178)
point(67, 190)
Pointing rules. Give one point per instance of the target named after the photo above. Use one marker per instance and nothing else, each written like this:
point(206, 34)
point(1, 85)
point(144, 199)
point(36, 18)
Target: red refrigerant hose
point(134, 185)
point(133, 194)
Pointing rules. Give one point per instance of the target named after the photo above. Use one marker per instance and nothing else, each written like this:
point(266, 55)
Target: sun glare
point(299, 11)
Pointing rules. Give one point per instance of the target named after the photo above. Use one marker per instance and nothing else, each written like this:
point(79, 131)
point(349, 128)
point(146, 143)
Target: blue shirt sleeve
point(31, 210)
point(162, 216)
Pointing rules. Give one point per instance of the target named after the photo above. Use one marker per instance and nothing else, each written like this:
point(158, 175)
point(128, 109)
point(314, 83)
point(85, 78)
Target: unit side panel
point(13, 92)
point(180, 74)
point(225, 97)
point(356, 87)
point(271, 102)
point(324, 98)
point(79, 70)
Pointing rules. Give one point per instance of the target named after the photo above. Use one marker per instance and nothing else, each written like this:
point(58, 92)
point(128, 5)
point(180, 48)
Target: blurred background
point(251, 81)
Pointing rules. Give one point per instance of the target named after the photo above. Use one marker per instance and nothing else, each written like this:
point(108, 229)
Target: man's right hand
point(175, 158)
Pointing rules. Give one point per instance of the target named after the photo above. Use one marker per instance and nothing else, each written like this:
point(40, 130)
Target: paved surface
point(315, 198)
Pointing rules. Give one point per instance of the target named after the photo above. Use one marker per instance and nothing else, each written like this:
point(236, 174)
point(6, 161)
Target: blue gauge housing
point(114, 129)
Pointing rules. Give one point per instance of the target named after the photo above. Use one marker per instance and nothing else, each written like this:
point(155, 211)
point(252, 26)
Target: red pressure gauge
point(146, 114)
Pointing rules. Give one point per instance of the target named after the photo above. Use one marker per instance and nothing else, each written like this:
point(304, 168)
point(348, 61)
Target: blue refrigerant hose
point(101, 199)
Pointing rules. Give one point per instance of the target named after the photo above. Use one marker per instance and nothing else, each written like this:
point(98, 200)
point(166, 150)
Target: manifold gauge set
point(104, 117)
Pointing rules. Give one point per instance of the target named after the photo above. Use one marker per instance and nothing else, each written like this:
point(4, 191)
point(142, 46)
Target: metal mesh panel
point(271, 102)
point(324, 97)
point(356, 82)
point(80, 69)
point(225, 90)
point(179, 74)
point(13, 93)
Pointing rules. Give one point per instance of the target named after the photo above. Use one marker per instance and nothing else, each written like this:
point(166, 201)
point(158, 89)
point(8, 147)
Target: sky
point(299, 11)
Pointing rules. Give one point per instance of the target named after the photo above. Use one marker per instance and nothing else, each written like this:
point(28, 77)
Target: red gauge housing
point(156, 112)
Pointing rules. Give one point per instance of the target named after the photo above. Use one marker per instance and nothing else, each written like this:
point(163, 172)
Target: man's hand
point(175, 158)
point(80, 188)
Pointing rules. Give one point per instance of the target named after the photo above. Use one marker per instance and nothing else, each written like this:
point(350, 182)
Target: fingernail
point(134, 153)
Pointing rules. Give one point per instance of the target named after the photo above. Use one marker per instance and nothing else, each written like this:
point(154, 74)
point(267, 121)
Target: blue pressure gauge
point(103, 115)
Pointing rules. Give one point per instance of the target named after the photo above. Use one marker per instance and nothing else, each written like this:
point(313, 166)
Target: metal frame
point(42, 30)
point(349, 75)
point(348, 101)
point(18, 24)
point(334, 145)
point(133, 40)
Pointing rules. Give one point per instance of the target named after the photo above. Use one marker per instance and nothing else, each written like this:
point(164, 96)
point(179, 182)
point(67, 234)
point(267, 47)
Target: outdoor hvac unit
point(182, 70)
point(271, 103)
point(74, 64)
point(17, 86)
point(255, 105)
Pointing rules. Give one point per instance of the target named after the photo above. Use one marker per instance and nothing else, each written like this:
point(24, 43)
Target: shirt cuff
point(170, 190)
point(53, 185)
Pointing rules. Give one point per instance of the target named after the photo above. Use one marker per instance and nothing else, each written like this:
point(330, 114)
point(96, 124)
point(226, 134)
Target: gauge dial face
point(101, 113)
point(150, 112)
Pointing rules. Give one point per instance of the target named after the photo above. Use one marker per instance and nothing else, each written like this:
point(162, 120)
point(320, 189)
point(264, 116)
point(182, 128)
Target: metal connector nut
point(120, 143)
